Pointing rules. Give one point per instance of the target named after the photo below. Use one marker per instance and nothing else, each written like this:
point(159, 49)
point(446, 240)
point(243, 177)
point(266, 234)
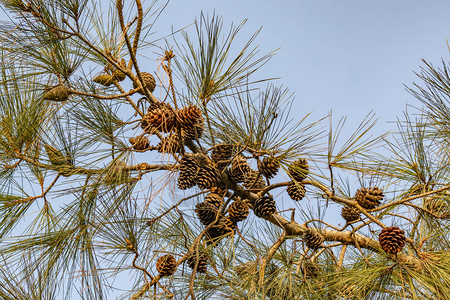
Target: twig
point(266, 259)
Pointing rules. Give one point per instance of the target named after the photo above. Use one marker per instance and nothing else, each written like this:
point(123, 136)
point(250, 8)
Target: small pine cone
point(140, 142)
point(296, 190)
point(310, 269)
point(58, 94)
point(206, 212)
point(221, 152)
point(117, 74)
point(166, 265)
point(187, 172)
point(56, 157)
point(104, 79)
point(438, 206)
point(217, 231)
point(208, 177)
point(200, 259)
point(170, 144)
point(238, 211)
point(264, 207)
point(239, 168)
point(189, 116)
point(369, 198)
point(269, 166)
point(149, 82)
point(254, 181)
point(195, 132)
point(299, 169)
point(312, 238)
point(350, 213)
point(215, 199)
point(392, 239)
point(162, 118)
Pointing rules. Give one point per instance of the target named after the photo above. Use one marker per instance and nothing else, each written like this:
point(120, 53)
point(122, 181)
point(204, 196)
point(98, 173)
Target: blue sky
point(348, 56)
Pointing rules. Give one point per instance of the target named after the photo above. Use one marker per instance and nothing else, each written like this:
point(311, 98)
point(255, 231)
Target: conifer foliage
point(174, 162)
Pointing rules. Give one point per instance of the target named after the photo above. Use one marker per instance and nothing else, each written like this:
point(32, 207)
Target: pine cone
point(438, 206)
point(166, 265)
point(195, 132)
point(217, 231)
point(312, 238)
point(206, 212)
point(159, 117)
point(208, 177)
point(310, 269)
point(117, 74)
point(296, 190)
point(269, 166)
point(392, 239)
point(369, 198)
point(264, 207)
point(350, 214)
point(140, 142)
point(104, 79)
point(201, 259)
point(238, 211)
point(58, 94)
point(56, 157)
point(149, 82)
point(170, 144)
point(253, 181)
point(299, 169)
point(189, 116)
point(221, 152)
point(187, 172)
point(215, 199)
point(239, 168)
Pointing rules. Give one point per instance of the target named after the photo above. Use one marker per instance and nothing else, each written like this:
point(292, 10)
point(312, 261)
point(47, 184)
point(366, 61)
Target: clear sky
point(348, 56)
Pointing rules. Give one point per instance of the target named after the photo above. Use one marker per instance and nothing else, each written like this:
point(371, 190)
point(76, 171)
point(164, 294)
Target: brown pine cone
point(392, 239)
point(166, 265)
point(206, 212)
point(238, 211)
point(239, 168)
point(215, 199)
point(264, 207)
point(217, 231)
point(195, 132)
point(221, 152)
point(149, 82)
point(187, 172)
point(350, 214)
point(369, 198)
point(208, 177)
point(269, 166)
point(310, 269)
point(170, 144)
point(140, 142)
point(254, 181)
point(312, 238)
point(299, 169)
point(201, 259)
point(160, 118)
point(296, 190)
point(189, 116)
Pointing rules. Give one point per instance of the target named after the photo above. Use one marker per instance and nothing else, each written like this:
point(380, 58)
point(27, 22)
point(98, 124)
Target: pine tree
point(97, 143)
